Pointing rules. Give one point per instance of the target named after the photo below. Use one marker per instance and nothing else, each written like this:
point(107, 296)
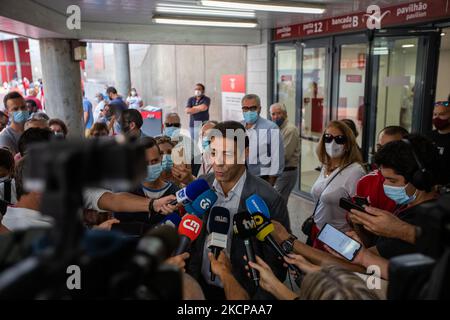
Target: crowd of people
point(256, 156)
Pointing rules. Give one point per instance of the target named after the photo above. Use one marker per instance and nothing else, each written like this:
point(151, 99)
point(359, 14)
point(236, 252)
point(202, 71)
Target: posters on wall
point(233, 90)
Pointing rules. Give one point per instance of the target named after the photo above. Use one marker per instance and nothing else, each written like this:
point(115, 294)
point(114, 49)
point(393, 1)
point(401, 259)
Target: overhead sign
point(407, 13)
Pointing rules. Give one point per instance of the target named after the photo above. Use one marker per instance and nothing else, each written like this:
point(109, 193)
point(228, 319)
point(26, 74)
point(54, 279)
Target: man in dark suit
point(233, 185)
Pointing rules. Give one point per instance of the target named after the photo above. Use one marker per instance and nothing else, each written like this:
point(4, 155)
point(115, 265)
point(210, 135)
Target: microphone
point(255, 204)
point(189, 230)
point(190, 192)
point(202, 203)
point(155, 247)
point(172, 220)
point(218, 225)
point(263, 229)
point(245, 227)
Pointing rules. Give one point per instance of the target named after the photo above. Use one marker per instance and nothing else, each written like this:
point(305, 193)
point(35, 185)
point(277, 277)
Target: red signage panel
point(374, 17)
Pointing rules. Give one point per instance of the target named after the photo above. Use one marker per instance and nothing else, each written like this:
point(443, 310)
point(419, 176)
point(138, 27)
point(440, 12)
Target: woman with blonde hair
point(341, 170)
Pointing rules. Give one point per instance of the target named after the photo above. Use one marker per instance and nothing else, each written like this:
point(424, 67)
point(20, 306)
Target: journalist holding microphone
point(233, 185)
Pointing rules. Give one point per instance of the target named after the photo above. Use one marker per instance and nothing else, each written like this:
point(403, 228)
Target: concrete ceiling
point(130, 20)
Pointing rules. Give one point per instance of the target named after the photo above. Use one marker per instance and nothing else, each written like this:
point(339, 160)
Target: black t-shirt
point(391, 247)
point(442, 142)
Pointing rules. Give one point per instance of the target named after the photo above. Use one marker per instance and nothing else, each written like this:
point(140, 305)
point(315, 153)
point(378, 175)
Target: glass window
point(352, 79)
point(397, 60)
point(314, 112)
point(285, 78)
point(443, 81)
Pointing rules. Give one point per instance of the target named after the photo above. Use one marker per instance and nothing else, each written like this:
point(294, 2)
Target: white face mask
point(334, 150)
point(197, 93)
point(133, 93)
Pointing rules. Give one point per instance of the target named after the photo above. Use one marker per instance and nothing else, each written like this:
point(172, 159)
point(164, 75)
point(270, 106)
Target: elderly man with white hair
point(291, 142)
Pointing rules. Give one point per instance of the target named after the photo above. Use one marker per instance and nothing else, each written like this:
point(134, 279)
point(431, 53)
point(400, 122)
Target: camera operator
point(234, 185)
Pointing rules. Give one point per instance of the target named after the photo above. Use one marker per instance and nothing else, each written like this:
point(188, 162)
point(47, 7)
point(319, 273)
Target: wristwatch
point(288, 245)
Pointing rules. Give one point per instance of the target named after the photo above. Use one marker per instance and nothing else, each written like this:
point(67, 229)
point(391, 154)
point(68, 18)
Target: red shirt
point(371, 187)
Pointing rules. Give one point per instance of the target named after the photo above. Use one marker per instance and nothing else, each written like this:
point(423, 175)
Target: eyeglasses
point(441, 103)
point(176, 125)
point(252, 108)
point(328, 138)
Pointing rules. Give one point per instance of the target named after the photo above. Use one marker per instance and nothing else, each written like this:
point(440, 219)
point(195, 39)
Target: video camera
point(112, 266)
point(425, 275)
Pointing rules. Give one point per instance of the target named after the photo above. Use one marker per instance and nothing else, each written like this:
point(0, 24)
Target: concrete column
point(122, 68)
point(62, 84)
point(17, 57)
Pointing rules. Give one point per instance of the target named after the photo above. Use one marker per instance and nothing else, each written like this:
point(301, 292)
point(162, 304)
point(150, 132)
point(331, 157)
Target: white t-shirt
point(91, 197)
point(22, 218)
point(343, 185)
point(134, 102)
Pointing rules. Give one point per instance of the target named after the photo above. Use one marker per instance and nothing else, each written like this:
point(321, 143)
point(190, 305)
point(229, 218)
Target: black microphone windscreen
point(243, 225)
point(219, 220)
point(168, 236)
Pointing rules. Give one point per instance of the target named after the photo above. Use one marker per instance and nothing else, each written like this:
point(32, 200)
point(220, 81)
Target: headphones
point(422, 179)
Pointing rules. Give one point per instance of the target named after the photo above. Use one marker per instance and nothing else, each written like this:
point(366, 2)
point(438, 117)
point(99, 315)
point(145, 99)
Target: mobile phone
point(348, 204)
point(339, 242)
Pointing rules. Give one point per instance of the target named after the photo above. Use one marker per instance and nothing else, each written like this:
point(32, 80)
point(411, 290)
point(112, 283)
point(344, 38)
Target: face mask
point(20, 116)
point(59, 134)
point(197, 93)
point(279, 122)
point(251, 117)
point(153, 172)
point(334, 150)
point(133, 93)
point(441, 124)
point(398, 194)
point(171, 131)
point(205, 144)
point(167, 162)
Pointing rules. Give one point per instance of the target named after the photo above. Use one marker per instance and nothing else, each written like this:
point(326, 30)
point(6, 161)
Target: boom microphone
point(190, 192)
point(218, 225)
point(244, 227)
point(189, 230)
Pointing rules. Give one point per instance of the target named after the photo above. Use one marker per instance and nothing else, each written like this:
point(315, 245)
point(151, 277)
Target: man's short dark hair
point(3, 115)
point(111, 90)
point(148, 142)
point(227, 127)
point(132, 115)
point(395, 130)
point(33, 135)
point(10, 96)
point(18, 177)
point(398, 156)
point(6, 160)
point(60, 123)
point(200, 85)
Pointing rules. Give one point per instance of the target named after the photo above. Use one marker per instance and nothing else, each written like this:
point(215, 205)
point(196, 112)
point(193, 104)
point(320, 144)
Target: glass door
point(404, 75)
point(349, 80)
point(314, 112)
point(286, 78)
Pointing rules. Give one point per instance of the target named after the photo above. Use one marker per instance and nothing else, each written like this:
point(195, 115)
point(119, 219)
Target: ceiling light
point(408, 46)
point(196, 21)
point(276, 6)
point(443, 34)
point(205, 11)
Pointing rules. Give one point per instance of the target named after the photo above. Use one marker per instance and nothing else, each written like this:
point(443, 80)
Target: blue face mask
point(167, 162)
point(251, 117)
point(20, 116)
point(171, 131)
point(279, 122)
point(154, 172)
point(398, 194)
point(205, 144)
